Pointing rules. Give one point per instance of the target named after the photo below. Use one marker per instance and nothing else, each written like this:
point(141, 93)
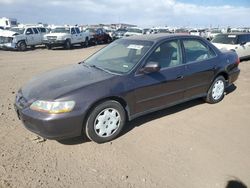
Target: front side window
point(120, 56)
point(195, 50)
point(73, 31)
point(167, 54)
point(29, 31)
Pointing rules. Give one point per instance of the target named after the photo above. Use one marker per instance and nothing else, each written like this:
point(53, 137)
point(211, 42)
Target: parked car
point(66, 36)
point(21, 37)
point(99, 36)
point(130, 77)
point(238, 42)
point(133, 31)
point(213, 33)
point(119, 33)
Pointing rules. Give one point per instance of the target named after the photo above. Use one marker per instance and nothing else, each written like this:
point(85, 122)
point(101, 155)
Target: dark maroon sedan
point(128, 78)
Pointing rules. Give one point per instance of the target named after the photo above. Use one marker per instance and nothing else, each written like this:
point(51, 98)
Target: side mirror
point(151, 67)
point(243, 43)
point(28, 33)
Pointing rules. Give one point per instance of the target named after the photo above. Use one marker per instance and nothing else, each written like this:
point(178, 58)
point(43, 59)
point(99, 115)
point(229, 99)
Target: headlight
point(53, 107)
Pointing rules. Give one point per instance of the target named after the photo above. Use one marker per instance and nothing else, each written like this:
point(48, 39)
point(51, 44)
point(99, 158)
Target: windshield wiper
point(97, 67)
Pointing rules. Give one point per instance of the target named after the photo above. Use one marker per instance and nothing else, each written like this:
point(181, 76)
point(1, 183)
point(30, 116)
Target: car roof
point(158, 36)
point(235, 33)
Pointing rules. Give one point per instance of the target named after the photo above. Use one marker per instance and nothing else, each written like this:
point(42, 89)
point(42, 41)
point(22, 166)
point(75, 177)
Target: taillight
point(238, 61)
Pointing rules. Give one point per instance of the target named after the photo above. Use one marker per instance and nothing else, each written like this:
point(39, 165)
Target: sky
point(144, 13)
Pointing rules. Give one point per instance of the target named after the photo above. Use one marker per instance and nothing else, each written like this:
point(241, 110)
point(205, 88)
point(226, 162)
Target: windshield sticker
point(135, 47)
point(125, 66)
point(231, 36)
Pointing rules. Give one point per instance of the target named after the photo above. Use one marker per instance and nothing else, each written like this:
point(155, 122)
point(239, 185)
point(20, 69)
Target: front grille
point(5, 40)
point(51, 37)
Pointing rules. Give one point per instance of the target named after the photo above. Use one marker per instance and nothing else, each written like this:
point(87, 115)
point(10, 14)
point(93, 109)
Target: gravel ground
point(192, 145)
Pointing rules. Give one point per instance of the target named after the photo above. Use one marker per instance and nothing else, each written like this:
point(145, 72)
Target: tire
point(22, 46)
point(48, 46)
point(67, 45)
point(102, 128)
point(86, 43)
point(216, 91)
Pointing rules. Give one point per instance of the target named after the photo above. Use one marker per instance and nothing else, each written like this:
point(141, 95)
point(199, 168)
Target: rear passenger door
point(37, 36)
point(200, 67)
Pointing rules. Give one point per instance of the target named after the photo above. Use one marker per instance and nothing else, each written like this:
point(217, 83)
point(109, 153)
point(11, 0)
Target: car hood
point(53, 84)
point(7, 33)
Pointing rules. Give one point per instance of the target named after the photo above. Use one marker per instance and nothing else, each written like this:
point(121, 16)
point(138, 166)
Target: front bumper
point(233, 76)
point(51, 126)
point(54, 42)
point(8, 45)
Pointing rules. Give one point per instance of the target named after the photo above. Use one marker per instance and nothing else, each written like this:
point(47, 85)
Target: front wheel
point(216, 91)
point(67, 45)
point(22, 46)
point(105, 122)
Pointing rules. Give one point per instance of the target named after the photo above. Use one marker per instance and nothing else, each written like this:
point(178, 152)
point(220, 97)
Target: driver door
point(29, 36)
point(166, 87)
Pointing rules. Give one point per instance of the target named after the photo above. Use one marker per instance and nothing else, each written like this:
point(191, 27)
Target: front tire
point(105, 121)
point(48, 46)
point(216, 91)
point(22, 46)
point(67, 45)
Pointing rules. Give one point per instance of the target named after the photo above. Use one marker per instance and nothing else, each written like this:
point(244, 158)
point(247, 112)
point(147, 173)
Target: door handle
point(179, 77)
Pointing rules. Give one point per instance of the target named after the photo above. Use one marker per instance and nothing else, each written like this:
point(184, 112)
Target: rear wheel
point(22, 46)
point(216, 91)
point(105, 121)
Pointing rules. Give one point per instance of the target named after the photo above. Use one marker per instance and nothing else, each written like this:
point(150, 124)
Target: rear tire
point(216, 91)
point(105, 121)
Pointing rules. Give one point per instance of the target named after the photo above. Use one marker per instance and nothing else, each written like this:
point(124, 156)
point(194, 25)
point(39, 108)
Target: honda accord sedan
point(128, 78)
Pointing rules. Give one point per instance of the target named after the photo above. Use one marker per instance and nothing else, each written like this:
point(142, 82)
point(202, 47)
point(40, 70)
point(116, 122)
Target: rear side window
point(35, 30)
point(196, 50)
point(77, 30)
point(42, 30)
point(244, 38)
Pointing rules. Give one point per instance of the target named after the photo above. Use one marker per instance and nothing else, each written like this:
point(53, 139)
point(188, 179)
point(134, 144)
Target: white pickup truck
point(21, 37)
point(66, 36)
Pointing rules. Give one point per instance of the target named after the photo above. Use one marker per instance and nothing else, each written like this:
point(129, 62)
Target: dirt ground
point(193, 145)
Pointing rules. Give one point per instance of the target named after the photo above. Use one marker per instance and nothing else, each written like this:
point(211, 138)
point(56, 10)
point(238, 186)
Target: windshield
point(120, 56)
point(134, 30)
point(225, 39)
point(17, 30)
point(61, 30)
point(215, 31)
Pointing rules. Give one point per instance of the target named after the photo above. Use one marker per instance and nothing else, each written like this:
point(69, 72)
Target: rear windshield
point(225, 39)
